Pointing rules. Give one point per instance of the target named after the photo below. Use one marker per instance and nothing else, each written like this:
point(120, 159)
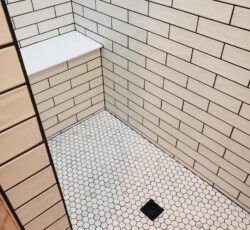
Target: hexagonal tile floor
point(108, 172)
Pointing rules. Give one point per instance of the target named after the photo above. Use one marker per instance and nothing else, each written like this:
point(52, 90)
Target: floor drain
point(152, 210)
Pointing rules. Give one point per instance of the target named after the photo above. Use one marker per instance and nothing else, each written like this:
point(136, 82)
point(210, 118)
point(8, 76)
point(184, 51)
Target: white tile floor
point(108, 172)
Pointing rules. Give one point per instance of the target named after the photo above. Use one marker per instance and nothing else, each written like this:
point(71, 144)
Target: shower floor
point(108, 172)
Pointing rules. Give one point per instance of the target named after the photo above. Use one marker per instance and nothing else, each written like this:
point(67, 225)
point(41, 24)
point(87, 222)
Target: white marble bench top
point(43, 55)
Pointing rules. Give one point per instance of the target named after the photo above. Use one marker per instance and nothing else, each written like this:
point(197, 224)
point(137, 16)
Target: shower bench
point(66, 79)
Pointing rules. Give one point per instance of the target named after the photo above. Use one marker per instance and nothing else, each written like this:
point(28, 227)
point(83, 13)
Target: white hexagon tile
point(108, 172)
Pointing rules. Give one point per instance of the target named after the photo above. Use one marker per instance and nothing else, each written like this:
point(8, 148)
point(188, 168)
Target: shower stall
point(142, 108)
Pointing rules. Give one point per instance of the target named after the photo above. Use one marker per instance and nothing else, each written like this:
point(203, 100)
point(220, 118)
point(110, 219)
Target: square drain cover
point(152, 210)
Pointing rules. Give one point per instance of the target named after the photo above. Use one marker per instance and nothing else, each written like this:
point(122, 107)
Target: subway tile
point(56, 110)
point(34, 78)
point(85, 77)
point(112, 10)
point(234, 181)
point(213, 167)
point(238, 161)
point(140, 6)
point(236, 56)
point(241, 137)
point(129, 30)
point(229, 117)
point(164, 95)
point(113, 35)
point(149, 24)
point(207, 8)
point(86, 23)
point(107, 64)
point(161, 133)
point(71, 93)
point(145, 74)
point(196, 41)
point(94, 63)
point(129, 76)
point(116, 111)
point(89, 94)
point(241, 17)
point(231, 88)
point(208, 119)
point(11, 72)
point(192, 143)
point(173, 16)
point(217, 180)
point(40, 86)
point(182, 116)
point(67, 75)
point(62, 9)
point(45, 105)
point(116, 95)
point(223, 162)
point(97, 17)
point(129, 94)
point(15, 106)
point(129, 54)
point(26, 32)
point(170, 46)
point(34, 17)
point(186, 95)
point(60, 126)
point(74, 110)
point(191, 70)
point(221, 67)
point(24, 135)
point(104, 41)
point(40, 4)
point(20, 7)
point(50, 122)
point(245, 111)
point(129, 112)
point(176, 152)
point(224, 33)
point(88, 3)
point(96, 82)
point(116, 78)
point(144, 113)
point(201, 138)
point(147, 51)
point(145, 131)
point(51, 92)
point(244, 199)
point(13, 172)
point(167, 72)
point(93, 109)
point(161, 114)
point(114, 58)
point(227, 142)
point(145, 95)
point(214, 95)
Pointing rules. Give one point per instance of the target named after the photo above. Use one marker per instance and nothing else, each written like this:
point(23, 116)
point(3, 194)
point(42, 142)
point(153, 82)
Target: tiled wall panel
point(27, 176)
point(38, 20)
point(69, 92)
point(178, 72)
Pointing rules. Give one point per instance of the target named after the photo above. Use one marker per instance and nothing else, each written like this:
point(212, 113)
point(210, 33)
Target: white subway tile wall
point(38, 20)
point(69, 92)
point(178, 72)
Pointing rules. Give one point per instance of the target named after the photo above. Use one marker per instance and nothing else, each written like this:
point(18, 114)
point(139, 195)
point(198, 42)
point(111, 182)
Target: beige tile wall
point(26, 173)
point(69, 92)
point(178, 72)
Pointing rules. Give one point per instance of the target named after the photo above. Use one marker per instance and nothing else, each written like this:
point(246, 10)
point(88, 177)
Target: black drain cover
point(152, 210)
